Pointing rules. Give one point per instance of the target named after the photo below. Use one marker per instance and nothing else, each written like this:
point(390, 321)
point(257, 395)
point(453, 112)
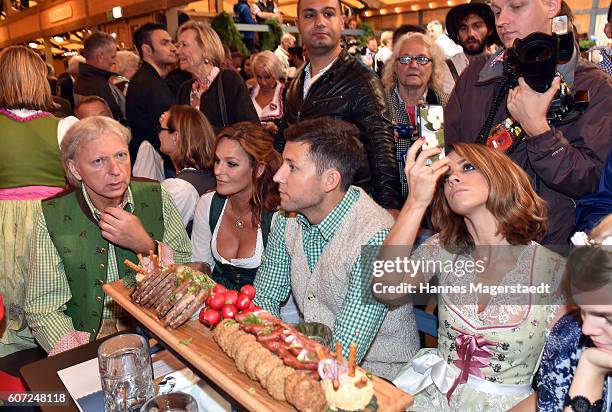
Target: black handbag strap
point(222, 100)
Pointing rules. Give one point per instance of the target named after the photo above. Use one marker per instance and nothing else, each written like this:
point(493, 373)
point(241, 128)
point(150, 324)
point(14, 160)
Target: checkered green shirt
point(47, 289)
point(356, 322)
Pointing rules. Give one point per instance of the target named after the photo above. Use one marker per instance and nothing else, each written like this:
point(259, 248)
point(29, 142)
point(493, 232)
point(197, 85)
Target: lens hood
point(535, 58)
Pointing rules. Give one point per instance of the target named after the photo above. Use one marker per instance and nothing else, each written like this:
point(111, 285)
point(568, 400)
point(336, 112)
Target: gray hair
point(85, 131)
point(436, 80)
point(125, 60)
point(97, 41)
point(73, 64)
point(287, 37)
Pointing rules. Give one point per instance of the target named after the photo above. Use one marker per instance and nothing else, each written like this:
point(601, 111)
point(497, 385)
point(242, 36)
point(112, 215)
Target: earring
point(206, 61)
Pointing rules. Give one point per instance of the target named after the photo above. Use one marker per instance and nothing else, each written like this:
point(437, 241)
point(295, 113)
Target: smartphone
point(430, 123)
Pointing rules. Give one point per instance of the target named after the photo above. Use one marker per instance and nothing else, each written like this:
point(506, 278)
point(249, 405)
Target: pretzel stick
point(361, 383)
point(352, 359)
point(159, 253)
point(339, 357)
point(134, 266)
point(153, 259)
point(140, 259)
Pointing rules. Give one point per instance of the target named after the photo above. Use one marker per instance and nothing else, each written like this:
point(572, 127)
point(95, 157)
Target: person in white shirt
point(282, 53)
point(231, 225)
point(370, 52)
point(386, 47)
point(384, 52)
point(449, 47)
point(236, 233)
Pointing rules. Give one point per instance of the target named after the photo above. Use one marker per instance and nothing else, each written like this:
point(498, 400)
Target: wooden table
point(203, 353)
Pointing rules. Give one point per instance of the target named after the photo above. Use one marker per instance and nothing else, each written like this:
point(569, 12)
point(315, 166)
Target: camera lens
point(537, 52)
point(537, 58)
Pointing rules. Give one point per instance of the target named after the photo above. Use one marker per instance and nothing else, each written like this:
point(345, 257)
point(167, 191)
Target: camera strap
point(510, 80)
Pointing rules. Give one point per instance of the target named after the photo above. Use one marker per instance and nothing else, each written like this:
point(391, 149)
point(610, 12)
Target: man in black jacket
point(100, 51)
point(148, 95)
point(66, 80)
point(332, 83)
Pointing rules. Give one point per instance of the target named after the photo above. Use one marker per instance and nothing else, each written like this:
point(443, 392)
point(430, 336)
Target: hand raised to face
point(422, 179)
point(125, 229)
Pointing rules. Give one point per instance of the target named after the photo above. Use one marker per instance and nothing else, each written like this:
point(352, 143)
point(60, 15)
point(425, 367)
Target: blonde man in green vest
point(315, 253)
point(82, 237)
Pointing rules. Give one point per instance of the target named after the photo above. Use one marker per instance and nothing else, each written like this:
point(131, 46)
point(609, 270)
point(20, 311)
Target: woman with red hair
point(492, 325)
point(231, 225)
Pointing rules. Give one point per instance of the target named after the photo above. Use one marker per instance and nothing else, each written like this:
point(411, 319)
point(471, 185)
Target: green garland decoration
point(586, 44)
point(368, 31)
point(271, 39)
point(224, 25)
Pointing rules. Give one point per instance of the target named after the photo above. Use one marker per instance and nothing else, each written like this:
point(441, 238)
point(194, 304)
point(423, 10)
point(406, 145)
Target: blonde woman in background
point(30, 170)
point(386, 47)
point(218, 93)
point(267, 95)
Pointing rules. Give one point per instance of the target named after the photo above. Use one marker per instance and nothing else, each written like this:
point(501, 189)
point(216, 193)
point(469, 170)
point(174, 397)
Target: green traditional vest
point(30, 153)
point(230, 276)
point(84, 252)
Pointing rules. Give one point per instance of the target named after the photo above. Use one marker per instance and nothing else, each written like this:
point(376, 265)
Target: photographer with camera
point(522, 101)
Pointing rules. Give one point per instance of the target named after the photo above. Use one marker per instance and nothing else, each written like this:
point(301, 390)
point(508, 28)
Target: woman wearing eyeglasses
point(413, 75)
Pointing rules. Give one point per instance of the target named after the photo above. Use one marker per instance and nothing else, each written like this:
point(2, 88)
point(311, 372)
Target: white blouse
point(204, 243)
point(273, 110)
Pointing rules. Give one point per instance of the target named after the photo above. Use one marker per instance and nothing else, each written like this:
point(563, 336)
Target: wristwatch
point(581, 404)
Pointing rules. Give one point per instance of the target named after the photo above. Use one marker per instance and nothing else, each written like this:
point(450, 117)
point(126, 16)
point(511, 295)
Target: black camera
point(535, 58)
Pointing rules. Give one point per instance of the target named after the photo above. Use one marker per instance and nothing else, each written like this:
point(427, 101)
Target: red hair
point(259, 146)
point(519, 211)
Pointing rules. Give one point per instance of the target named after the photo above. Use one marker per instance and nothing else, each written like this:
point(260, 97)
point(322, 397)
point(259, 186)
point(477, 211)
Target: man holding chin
point(83, 236)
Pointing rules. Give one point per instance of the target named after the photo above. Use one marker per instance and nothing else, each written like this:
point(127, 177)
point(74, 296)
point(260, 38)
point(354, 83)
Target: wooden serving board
point(204, 354)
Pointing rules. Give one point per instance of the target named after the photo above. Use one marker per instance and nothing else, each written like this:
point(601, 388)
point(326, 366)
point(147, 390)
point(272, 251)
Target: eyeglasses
point(160, 129)
point(421, 60)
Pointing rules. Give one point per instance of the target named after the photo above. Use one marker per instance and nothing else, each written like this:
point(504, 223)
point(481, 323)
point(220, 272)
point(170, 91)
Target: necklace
point(239, 221)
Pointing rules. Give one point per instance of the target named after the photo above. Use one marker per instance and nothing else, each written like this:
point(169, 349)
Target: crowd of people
point(298, 171)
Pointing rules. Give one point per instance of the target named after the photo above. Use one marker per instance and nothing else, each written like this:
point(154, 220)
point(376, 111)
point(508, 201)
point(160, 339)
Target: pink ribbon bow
point(473, 355)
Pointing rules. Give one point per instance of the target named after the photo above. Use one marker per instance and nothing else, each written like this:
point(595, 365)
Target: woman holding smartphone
point(412, 75)
point(488, 218)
